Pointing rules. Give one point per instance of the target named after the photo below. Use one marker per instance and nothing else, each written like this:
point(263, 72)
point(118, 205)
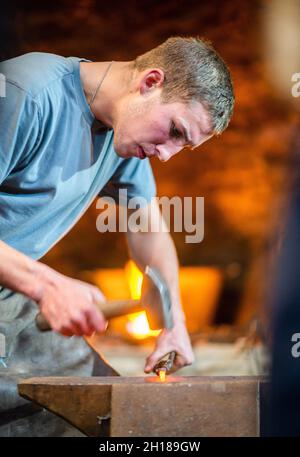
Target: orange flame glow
point(137, 324)
point(135, 278)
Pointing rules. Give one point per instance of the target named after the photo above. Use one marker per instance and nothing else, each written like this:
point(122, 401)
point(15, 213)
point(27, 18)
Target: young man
point(70, 130)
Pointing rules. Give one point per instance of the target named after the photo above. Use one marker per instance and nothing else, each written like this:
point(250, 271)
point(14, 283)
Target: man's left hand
point(177, 339)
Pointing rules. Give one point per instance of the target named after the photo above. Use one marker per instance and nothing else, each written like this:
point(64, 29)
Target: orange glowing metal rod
point(164, 366)
point(162, 375)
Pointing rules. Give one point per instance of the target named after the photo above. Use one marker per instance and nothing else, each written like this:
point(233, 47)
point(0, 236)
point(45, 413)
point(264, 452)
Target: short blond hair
point(194, 71)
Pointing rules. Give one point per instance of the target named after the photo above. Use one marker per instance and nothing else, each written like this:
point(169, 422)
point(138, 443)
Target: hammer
point(155, 300)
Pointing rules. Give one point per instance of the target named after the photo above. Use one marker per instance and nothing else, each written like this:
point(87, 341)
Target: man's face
point(146, 127)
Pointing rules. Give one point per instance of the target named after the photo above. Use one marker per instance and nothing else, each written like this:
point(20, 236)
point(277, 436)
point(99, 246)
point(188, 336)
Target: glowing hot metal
point(164, 366)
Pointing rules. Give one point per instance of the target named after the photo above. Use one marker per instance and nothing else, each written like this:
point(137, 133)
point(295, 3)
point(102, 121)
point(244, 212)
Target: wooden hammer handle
point(110, 309)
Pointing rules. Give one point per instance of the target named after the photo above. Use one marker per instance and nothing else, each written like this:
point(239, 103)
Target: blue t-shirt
point(55, 157)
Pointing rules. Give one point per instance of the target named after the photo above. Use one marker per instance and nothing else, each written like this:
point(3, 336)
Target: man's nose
point(166, 151)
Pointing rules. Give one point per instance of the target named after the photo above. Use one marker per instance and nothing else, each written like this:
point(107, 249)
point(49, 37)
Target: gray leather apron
point(27, 352)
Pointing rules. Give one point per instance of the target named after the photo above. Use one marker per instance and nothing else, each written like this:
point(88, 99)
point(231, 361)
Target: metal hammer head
point(156, 300)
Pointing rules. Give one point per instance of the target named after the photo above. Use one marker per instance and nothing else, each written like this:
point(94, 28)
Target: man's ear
point(151, 79)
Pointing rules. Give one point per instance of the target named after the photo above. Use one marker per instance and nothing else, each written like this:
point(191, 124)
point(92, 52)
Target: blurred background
point(243, 174)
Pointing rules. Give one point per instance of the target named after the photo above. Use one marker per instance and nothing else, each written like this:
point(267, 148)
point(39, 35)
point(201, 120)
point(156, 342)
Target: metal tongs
point(165, 365)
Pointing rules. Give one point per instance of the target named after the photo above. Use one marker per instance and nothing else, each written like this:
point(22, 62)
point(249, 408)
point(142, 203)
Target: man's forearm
point(158, 250)
point(19, 272)
point(69, 305)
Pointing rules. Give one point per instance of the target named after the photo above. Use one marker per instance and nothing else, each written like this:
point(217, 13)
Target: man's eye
point(175, 133)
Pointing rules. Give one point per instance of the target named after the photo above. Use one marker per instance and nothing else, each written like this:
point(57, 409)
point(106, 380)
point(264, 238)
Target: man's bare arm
point(157, 249)
point(67, 304)
point(18, 272)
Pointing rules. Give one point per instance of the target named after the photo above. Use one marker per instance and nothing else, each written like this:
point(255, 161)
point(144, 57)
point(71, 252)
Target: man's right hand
point(69, 305)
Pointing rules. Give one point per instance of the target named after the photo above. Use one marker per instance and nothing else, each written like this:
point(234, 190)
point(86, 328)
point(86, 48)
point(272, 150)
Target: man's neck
point(111, 90)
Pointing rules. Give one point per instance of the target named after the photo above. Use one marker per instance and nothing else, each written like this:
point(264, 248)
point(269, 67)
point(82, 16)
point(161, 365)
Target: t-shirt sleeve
point(134, 176)
point(19, 129)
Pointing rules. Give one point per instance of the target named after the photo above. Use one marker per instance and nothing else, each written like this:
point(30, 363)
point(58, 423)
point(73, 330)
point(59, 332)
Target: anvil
point(144, 406)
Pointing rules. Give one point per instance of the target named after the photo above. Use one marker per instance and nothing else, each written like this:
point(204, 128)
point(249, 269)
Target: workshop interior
point(238, 284)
